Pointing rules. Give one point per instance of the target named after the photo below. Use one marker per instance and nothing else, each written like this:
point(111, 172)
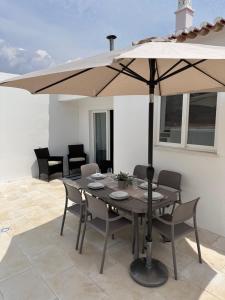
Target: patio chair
point(89, 169)
point(171, 180)
point(173, 226)
point(77, 208)
point(76, 157)
point(140, 171)
point(47, 164)
point(104, 221)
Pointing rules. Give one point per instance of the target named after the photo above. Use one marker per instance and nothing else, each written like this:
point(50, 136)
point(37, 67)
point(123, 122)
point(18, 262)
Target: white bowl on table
point(155, 196)
point(98, 176)
point(119, 195)
point(96, 185)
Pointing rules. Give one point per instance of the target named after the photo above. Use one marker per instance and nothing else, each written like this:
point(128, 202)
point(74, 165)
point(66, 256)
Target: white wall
point(130, 132)
point(23, 126)
point(32, 121)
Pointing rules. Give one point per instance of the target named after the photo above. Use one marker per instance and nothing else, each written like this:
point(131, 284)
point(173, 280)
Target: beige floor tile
point(217, 286)
point(51, 261)
point(73, 285)
point(26, 286)
point(118, 284)
point(205, 237)
point(199, 274)
point(12, 260)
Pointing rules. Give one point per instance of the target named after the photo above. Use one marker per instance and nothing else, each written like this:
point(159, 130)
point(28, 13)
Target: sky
point(38, 34)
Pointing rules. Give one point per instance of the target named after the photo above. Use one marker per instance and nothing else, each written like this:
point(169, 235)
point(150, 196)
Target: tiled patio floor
point(36, 263)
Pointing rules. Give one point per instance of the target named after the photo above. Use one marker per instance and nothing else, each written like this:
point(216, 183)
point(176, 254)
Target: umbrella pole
point(147, 271)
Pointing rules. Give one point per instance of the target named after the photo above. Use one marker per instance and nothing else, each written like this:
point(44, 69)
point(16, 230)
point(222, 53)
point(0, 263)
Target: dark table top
point(133, 204)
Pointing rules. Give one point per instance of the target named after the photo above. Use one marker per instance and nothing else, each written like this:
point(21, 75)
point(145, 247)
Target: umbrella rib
point(125, 73)
point(182, 69)
point(62, 80)
point(205, 73)
point(133, 72)
point(170, 69)
point(108, 83)
point(157, 70)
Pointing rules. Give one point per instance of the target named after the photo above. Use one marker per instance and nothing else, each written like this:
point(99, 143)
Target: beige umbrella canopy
point(126, 72)
point(157, 67)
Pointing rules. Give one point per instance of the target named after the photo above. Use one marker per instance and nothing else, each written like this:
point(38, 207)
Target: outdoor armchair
point(140, 171)
point(174, 226)
point(47, 164)
point(76, 157)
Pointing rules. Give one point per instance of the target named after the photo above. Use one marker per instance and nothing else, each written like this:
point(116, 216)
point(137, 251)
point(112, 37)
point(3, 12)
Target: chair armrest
point(50, 158)
point(115, 219)
point(163, 221)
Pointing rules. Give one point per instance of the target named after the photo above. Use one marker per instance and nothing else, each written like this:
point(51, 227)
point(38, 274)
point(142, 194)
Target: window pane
point(171, 119)
point(202, 119)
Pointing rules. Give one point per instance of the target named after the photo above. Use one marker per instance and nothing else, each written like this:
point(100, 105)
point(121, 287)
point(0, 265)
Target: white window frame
point(92, 133)
point(184, 129)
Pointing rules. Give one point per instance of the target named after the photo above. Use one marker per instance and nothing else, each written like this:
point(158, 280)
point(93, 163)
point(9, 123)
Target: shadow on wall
point(34, 169)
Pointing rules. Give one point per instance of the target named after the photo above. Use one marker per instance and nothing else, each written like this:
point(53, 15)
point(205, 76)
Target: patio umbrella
point(154, 68)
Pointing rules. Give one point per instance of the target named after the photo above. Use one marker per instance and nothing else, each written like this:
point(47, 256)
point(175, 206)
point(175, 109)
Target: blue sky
point(36, 34)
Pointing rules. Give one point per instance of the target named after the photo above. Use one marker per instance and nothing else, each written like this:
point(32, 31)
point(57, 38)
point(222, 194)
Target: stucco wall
point(23, 126)
point(31, 121)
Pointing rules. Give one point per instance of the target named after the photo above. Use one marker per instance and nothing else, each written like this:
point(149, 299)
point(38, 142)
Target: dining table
point(135, 205)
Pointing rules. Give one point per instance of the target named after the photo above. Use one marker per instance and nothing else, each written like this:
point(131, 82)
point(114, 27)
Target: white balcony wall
point(31, 121)
point(24, 122)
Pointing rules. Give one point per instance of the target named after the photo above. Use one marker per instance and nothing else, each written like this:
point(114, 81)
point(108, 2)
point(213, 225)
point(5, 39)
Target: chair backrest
point(76, 150)
point(140, 171)
point(96, 207)
point(42, 153)
point(170, 179)
point(72, 193)
point(185, 211)
point(89, 169)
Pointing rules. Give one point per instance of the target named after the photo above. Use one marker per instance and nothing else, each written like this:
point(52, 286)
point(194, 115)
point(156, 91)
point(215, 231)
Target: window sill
point(211, 152)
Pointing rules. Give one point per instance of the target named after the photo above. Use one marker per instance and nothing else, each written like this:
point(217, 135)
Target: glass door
point(100, 136)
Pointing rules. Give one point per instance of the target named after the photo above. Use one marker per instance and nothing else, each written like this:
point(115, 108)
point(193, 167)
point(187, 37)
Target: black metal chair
point(76, 157)
point(47, 164)
point(77, 208)
point(173, 226)
point(104, 221)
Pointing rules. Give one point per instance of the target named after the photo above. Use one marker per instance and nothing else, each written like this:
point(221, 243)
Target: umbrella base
point(149, 276)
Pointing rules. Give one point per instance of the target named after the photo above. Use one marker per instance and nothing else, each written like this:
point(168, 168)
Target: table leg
point(136, 236)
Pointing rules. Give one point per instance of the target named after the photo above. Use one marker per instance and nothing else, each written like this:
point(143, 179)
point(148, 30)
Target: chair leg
point(174, 258)
point(79, 230)
point(133, 237)
point(103, 254)
point(197, 242)
point(83, 234)
point(64, 218)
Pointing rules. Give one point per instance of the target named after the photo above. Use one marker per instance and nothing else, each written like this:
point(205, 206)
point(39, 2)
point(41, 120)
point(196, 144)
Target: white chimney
point(184, 15)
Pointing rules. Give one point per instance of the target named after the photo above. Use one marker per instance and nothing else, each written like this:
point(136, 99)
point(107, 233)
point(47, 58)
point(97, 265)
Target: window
point(171, 119)
point(188, 121)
